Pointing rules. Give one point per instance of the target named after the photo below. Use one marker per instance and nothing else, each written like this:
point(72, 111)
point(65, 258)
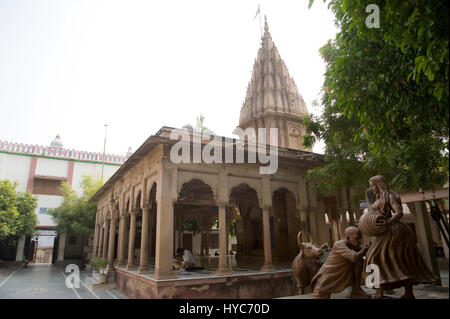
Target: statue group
point(393, 252)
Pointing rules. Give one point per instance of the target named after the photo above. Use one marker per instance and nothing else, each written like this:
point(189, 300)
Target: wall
point(252, 286)
point(15, 168)
point(47, 201)
point(51, 167)
point(92, 169)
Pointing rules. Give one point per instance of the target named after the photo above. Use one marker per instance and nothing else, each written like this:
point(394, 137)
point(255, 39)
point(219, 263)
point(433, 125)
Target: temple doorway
point(246, 222)
point(286, 225)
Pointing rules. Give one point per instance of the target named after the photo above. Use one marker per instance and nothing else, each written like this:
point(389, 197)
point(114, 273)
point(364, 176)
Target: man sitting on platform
point(185, 259)
point(343, 267)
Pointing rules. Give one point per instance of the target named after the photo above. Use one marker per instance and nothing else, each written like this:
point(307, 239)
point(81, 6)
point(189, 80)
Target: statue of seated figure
point(343, 267)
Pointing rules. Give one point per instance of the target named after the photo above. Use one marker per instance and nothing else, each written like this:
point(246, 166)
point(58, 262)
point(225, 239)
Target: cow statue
point(307, 263)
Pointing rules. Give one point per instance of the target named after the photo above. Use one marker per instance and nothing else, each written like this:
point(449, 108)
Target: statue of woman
point(394, 249)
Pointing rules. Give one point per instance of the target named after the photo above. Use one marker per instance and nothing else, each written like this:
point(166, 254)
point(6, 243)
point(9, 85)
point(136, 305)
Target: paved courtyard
point(47, 282)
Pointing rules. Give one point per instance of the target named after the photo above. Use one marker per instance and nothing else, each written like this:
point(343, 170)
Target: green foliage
point(191, 224)
point(98, 263)
point(76, 215)
point(17, 212)
point(385, 96)
point(199, 127)
point(232, 228)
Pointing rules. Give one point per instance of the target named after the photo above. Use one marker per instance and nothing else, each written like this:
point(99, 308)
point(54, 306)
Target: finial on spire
point(266, 26)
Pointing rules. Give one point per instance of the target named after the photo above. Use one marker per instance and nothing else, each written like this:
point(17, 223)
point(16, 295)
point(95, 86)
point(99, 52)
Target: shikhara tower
point(272, 99)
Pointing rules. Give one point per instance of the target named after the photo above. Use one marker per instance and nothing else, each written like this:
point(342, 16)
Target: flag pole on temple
point(104, 150)
point(258, 12)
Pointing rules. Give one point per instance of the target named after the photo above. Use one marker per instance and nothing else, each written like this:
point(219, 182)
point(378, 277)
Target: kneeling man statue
point(343, 267)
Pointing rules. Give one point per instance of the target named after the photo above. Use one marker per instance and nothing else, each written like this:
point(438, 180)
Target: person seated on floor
point(343, 267)
point(185, 260)
point(177, 262)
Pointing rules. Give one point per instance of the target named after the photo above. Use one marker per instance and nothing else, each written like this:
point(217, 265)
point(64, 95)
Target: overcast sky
point(69, 67)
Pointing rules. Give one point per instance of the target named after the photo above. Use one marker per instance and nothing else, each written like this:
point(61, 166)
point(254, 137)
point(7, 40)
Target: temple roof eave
point(295, 157)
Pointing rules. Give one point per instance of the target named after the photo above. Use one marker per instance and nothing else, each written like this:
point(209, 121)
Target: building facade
point(40, 170)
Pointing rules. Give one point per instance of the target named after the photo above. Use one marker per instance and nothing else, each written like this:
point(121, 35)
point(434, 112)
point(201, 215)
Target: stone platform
point(244, 284)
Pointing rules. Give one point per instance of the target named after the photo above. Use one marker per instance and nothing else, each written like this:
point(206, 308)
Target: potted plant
point(102, 269)
point(94, 264)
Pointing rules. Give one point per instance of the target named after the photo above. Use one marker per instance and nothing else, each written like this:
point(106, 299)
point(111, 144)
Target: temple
point(240, 225)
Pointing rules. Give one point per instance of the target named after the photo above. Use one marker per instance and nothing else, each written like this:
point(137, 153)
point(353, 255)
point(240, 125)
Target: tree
point(385, 97)
point(199, 126)
point(76, 215)
point(17, 214)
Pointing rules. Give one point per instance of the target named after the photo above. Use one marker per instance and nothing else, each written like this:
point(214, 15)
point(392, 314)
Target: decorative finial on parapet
point(129, 153)
point(57, 143)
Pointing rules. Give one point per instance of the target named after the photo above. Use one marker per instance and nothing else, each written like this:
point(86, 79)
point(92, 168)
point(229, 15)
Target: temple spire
point(272, 98)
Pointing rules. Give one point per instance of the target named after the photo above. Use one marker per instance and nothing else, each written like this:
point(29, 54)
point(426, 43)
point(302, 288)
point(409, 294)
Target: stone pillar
point(100, 238)
point(223, 233)
point(95, 245)
point(151, 231)
point(61, 247)
point(111, 245)
point(322, 229)
point(143, 266)
point(20, 247)
point(121, 247)
point(334, 230)
point(208, 234)
point(268, 265)
point(334, 218)
point(344, 223)
point(316, 217)
point(424, 235)
point(302, 209)
point(352, 217)
point(202, 242)
point(105, 239)
point(165, 198)
point(304, 225)
point(312, 224)
point(131, 239)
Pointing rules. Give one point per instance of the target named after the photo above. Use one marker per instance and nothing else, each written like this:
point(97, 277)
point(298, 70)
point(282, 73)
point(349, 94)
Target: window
point(43, 210)
point(47, 186)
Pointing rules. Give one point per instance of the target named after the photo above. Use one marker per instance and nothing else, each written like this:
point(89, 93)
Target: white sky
point(69, 67)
